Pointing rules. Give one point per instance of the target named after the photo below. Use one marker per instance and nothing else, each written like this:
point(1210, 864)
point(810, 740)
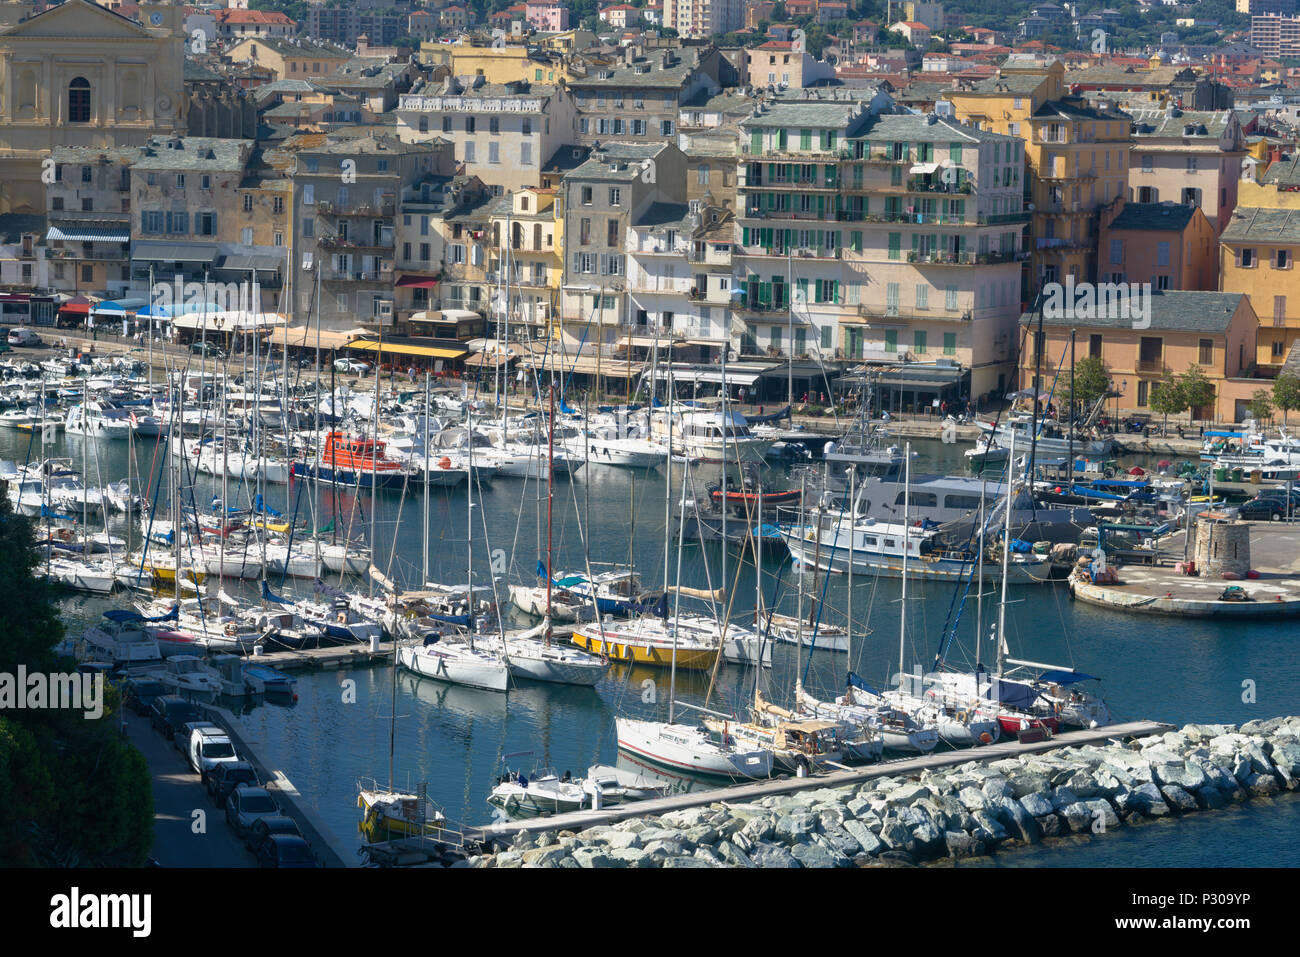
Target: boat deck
point(580, 820)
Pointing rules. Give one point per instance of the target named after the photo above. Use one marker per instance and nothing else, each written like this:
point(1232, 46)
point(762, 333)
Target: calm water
point(455, 738)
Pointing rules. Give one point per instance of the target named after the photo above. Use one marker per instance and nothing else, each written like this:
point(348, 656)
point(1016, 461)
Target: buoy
point(444, 463)
point(295, 696)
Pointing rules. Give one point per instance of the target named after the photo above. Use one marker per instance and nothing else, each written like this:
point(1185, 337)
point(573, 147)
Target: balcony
point(814, 153)
point(923, 185)
point(888, 311)
point(1063, 245)
point(1150, 365)
point(335, 242)
point(997, 219)
point(331, 208)
point(383, 274)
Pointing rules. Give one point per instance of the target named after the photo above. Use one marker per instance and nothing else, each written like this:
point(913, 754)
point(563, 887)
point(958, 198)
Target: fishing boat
point(266, 680)
point(354, 461)
point(390, 814)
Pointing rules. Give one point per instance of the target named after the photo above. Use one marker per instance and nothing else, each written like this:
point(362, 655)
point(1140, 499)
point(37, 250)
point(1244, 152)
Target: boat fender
point(961, 717)
point(342, 619)
point(230, 628)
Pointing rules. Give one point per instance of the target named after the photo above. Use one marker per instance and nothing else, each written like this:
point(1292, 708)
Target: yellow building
point(1257, 254)
point(508, 64)
point(524, 255)
point(1077, 159)
point(1279, 185)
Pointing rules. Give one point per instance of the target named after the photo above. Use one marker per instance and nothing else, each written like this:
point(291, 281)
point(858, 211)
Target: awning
point(924, 168)
point(416, 282)
point(253, 262)
point(303, 337)
point(79, 306)
point(151, 251)
point(410, 349)
point(227, 321)
point(120, 307)
point(89, 234)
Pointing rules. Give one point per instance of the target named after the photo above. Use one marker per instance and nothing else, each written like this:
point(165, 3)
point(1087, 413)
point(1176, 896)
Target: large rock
point(865, 837)
point(1211, 798)
point(815, 854)
point(896, 835)
point(1263, 726)
point(1184, 775)
point(1147, 799)
point(907, 795)
point(842, 840)
point(758, 829)
point(1101, 810)
point(972, 799)
point(1078, 816)
point(1062, 798)
point(544, 856)
point(795, 828)
point(631, 857)
point(660, 849)
point(995, 788)
point(685, 862)
point(1028, 783)
point(961, 844)
point(1178, 799)
point(1036, 804)
point(509, 859)
point(773, 855)
point(988, 828)
point(1050, 824)
point(591, 857)
point(1018, 822)
point(857, 806)
point(734, 855)
point(1084, 785)
point(659, 834)
point(1262, 785)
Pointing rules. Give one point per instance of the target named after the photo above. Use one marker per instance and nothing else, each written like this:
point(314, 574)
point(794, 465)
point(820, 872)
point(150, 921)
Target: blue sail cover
point(260, 506)
point(321, 588)
point(770, 416)
point(564, 407)
point(123, 615)
point(269, 595)
point(1013, 694)
point(856, 682)
point(463, 620)
point(1066, 677)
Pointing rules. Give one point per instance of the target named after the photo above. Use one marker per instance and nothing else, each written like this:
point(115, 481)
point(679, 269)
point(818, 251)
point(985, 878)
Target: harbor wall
point(959, 811)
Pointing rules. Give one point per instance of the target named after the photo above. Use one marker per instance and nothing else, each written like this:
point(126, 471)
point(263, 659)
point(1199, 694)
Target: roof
point(665, 214)
point(298, 49)
point(628, 155)
point(1284, 172)
point(916, 127)
point(252, 16)
point(1171, 311)
point(1072, 108)
point(1162, 216)
point(621, 74)
point(1251, 224)
point(1176, 122)
point(14, 225)
point(194, 152)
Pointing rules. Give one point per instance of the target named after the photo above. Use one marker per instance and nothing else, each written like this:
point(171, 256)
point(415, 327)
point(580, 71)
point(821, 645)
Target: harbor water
point(455, 738)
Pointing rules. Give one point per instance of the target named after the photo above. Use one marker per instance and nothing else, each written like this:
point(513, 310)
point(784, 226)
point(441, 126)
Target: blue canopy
point(123, 615)
point(1012, 693)
point(856, 682)
point(261, 506)
point(452, 619)
point(564, 407)
point(1066, 677)
point(269, 595)
point(771, 416)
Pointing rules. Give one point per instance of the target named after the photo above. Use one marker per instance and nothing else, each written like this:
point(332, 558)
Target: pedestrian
point(742, 395)
point(943, 407)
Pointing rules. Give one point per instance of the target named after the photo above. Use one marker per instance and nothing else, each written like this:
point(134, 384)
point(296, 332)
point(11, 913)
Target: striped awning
point(89, 234)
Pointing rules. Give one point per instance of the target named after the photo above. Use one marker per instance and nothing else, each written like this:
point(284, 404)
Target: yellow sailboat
point(647, 641)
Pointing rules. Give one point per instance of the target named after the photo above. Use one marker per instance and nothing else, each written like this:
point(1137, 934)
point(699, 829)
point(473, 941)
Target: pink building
point(547, 17)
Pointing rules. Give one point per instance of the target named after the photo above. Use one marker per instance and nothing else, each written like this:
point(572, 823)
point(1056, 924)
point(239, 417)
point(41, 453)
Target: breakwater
point(965, 810)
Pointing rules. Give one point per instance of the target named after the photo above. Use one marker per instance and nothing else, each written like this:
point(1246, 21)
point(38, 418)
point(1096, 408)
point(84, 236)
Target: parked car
point(353, 366)
point(169, 712)
point(209, 748)
point(23, 336)
point(227, 776)
point(185, 734)
point(1270, 506)
point(245, 805)
point(139, 694)
point(285, 850)
point(264, 827)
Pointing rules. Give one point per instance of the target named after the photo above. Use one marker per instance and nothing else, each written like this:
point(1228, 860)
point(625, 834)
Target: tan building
point(1182, 156)
point(89, 221)
point(78, 75)
point(1213, 330)
point(288, 60)
point(1169, 245)
point(778, 63)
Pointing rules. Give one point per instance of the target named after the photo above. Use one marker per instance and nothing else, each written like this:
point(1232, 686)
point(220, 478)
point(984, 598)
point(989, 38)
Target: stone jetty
point(959, 811)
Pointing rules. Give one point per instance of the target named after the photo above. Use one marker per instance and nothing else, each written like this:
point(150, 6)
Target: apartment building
point(1166, 245)
point(345, 195)
point(88, 216)
point(1190, 157)
point(235, 24)
point(1275, 35)
point(289, 59)
point(525, 264)
point(784, 64)
point(600, 200)
point(896, 237)
point(638, 98)
point(1257, 253)
point(503, 133)
point(704, 18)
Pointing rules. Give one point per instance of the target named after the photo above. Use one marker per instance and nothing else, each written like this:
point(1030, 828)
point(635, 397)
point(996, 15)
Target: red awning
point(417, 282)
point(80, 308)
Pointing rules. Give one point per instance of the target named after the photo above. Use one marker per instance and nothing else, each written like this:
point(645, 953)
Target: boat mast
point(469, 515)
point(424, 559)
point(1069, 461)
point(907, 532)
point(853, 535)
point(798, 628)
point(550, 500)
point(1006, 554)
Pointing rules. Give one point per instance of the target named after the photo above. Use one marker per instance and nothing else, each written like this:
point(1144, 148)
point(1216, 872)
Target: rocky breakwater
point(960, 811)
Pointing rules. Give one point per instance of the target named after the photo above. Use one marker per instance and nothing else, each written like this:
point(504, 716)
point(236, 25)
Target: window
point(494, 152)
point(922, 295)
point(1162, 254)
point(205, 224)
point(703, 176)
point(86, 174)
point(666, 128)
point(1279, 310)
point(1094, 346)
point(891, 340)
point(456, 254)
point(79, 100)
point(1116, 252)
point(611, 233)
point(180, 180)
point(1144, 391)
point(178, 223)
point(446, 124)
point(1147, 164)
point(1247, 258)
point(1205, 352)
point(950, 343)
point(87, 205)
point(918, 342)
point(616, 197)
point(151, 222)
point(950, 299)
point(469, 152)
point(1162, 282)
point(424, 252)
point(277, 204)
point(469, 124)
point(248, 202)
point(586, 195)
point(205, 182)
point(525, 154)
point(1283, 259)
point(494, 125)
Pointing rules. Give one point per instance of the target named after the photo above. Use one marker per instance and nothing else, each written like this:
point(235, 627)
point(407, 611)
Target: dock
point(751, 791)
point(328, 658)
point(1160, 589)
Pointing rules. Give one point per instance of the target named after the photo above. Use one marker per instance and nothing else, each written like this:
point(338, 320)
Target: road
point(177, 794)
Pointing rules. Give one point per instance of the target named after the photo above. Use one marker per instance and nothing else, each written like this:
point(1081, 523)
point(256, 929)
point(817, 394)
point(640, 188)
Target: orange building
point(1169, 245)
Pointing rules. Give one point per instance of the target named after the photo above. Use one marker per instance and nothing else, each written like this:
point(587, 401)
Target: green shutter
point(805, 139)
point(756, 142)
point(744, 235)
point(950, 343)
point(891, 340)
point(954, 153)
point(895, 245)
point(855, 240)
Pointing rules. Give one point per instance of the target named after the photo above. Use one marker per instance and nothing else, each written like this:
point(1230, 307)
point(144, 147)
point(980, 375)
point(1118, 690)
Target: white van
point(23, 336)
point(208, 748)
